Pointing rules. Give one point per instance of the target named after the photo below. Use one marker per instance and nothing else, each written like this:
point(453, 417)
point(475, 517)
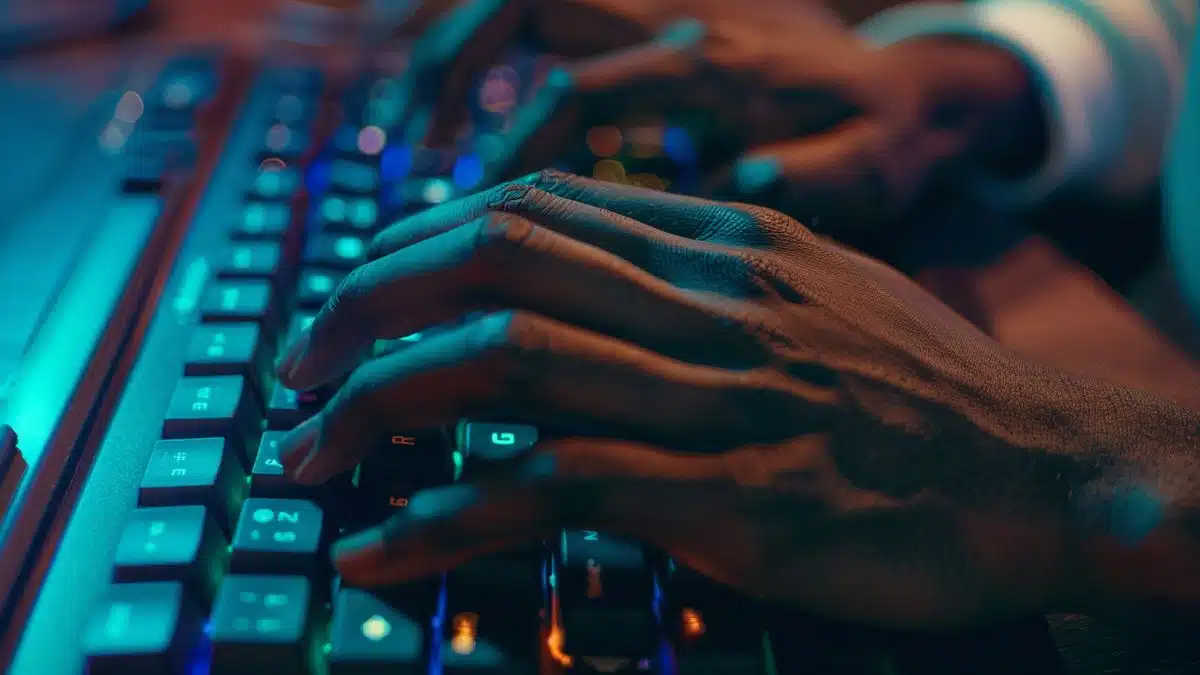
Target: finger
point(505, 260)
point(517, 365)
point(652, 76)
point(658, 252)
point(853, 175)
point(406, 19)
point(675, 215)
point(448, 56)
point(574, 483)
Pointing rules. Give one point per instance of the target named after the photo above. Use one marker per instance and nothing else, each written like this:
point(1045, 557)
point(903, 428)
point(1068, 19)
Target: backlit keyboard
point(189, 552)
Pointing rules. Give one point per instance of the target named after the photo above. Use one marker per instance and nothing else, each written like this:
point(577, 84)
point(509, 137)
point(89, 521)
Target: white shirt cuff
point(1086, 115)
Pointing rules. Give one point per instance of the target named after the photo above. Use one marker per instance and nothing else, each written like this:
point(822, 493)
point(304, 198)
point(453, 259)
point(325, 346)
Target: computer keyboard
point(184, 549)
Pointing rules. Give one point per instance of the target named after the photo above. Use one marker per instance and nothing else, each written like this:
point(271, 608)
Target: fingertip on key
point(285, 368)
point(298, 445)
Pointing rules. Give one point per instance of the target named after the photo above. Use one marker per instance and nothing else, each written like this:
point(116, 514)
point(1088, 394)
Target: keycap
point(349, 142)
point(285, 410)
point(279, 535)
point(226, 349)
point(285, 141)
point(199, 471)
point(604, 591)
point(712, 629)
point(250, 260)
point(403, 465)
point(262, 221)
point(274, 184)
point(495, 441)
point(489, 644)
point(172, 543)
point(142, 629)
point(299, 323)
point(263, 624)
point(371, 635)
point(315, 286)
point(418, 194)
point(217, 406)
point(247, 300)
point(293, 109)
point(348, 214)
point(353, 178)
point(304, 82)
point(267, 478)
point(341, 252)
point(493, 620)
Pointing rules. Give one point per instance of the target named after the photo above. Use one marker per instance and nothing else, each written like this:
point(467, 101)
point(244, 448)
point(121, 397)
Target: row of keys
point(197, 540)
point(163, 134)
point(227, 559)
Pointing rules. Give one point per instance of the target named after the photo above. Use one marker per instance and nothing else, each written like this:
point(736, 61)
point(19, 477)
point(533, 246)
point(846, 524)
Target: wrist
point(1130, 526)
point(1094, 502)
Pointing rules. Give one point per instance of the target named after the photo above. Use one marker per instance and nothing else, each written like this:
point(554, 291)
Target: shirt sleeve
point(1111, 73)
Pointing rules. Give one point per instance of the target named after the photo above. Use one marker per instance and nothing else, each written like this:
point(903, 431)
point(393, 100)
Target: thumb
point(849, 177)
point(623, 488)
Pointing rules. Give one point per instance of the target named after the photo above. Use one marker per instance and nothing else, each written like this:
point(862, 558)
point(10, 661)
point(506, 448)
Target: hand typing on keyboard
point(805, 115)
point(772, 410)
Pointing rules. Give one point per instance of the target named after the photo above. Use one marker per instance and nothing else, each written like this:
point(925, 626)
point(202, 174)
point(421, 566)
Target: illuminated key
point(142, 628)
point(403, 464)
point(603, 598)
point(172, 543)
point(263, 624)
point(244, 300)
point(495, 441)
point(219, 406)
point(373, 635)
point(713, 630)
point(341, 252)
point(279, 535)
point(489, 644)
point(194, 471)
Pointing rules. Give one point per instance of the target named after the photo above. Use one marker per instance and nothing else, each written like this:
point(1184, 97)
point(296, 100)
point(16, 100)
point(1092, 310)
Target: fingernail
point(755, 174)
point(292, 356)
point(298, 446)
point(683, 33)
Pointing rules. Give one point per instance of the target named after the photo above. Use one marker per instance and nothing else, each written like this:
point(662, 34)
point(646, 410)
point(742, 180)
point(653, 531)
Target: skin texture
point(777, 412)
point(794, 111)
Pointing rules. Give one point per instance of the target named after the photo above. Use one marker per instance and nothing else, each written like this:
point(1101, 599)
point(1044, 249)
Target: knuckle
point(553, 181)
point(515, 340)
point(358, 396)
point(773, 226)
point(521, 195)
point(500, 236)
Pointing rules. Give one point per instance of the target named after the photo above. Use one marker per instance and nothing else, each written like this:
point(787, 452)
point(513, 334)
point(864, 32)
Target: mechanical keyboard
point(175, 545)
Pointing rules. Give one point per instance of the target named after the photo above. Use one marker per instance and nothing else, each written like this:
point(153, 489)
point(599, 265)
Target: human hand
point(803, 115)
point(772, 410)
